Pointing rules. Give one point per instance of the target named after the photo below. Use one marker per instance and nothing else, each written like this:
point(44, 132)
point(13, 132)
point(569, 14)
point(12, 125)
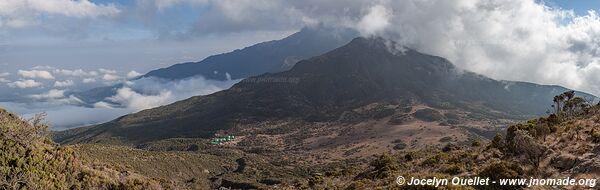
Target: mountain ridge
point(325, 87)
point(271, 56)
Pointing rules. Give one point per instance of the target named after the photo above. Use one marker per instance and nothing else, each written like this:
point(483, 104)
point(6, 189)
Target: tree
point(569, 95)
point(558, 99)
point(576, 106)
point(570, 105)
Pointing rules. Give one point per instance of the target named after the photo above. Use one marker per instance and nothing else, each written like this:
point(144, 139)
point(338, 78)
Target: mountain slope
point(30, 160)
point(557, 147)
point(272, 56)
point(326, 87)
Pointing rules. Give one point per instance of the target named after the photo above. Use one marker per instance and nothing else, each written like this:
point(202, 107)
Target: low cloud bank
point(151, 92)
point(67, 111)
point(61, 117)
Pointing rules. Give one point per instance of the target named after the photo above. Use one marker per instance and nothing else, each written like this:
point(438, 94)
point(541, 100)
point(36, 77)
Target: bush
point(450, 147)
point(399, 119)
point(428, 114)
point(452, 118)
point(596, 137)
point(445, 139)
point(527, 127)
point(498, 142)
point(315, 180)
point(384, 166)
point(453, 169)
point(30, 160)
point(501, 170)
point(400, 146)
point(434, 160)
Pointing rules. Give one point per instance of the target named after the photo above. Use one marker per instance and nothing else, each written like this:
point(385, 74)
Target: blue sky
point(581, 7)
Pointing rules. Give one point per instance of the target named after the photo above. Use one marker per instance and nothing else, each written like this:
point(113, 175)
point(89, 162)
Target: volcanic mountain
point(328, 88)
point(271, 56)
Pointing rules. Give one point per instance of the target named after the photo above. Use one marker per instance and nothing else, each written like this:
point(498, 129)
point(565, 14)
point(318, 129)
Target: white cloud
point(137, 101)
point(110, 77)
point(25, 84)
point(52, 94)
point(4, 74)
point(151, 92)
point(62, 84)
point(62, 116)
point(43, 67)
point(133, 74)
point(88, 80)
point(3, 80)
point(35, 74)
point(102, 105)
point(107, 71)
point(163, 4)
point(505, 39)
point(75, 73)
point(23, 13)
point(376, 20)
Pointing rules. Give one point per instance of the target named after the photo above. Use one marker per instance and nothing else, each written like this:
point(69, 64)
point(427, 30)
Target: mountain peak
point(271, 56)
point(361, 73)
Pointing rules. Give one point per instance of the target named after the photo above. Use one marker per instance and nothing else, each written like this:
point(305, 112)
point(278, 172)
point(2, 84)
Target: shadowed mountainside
point(271, 56)
point(322, 88)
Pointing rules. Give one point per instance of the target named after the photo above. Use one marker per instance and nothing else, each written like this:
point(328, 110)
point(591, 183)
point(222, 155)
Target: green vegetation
point(428, 114)
point(501, 170)
point(173, 169)
point(30, 160)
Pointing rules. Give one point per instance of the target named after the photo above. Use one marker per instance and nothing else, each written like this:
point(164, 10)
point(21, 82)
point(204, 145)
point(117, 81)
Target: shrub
point(596, 137)
point(434, 160)
point(450, 147)
point(384, 166)
point(400, 146)
point(315, 180)
point(445, 139)
point(525, 144)
point(528, 127)
point(498, 142)
point(428, 115)
point(399, 119)
point(500, 170)
point(30, 160)
point(453, 169)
